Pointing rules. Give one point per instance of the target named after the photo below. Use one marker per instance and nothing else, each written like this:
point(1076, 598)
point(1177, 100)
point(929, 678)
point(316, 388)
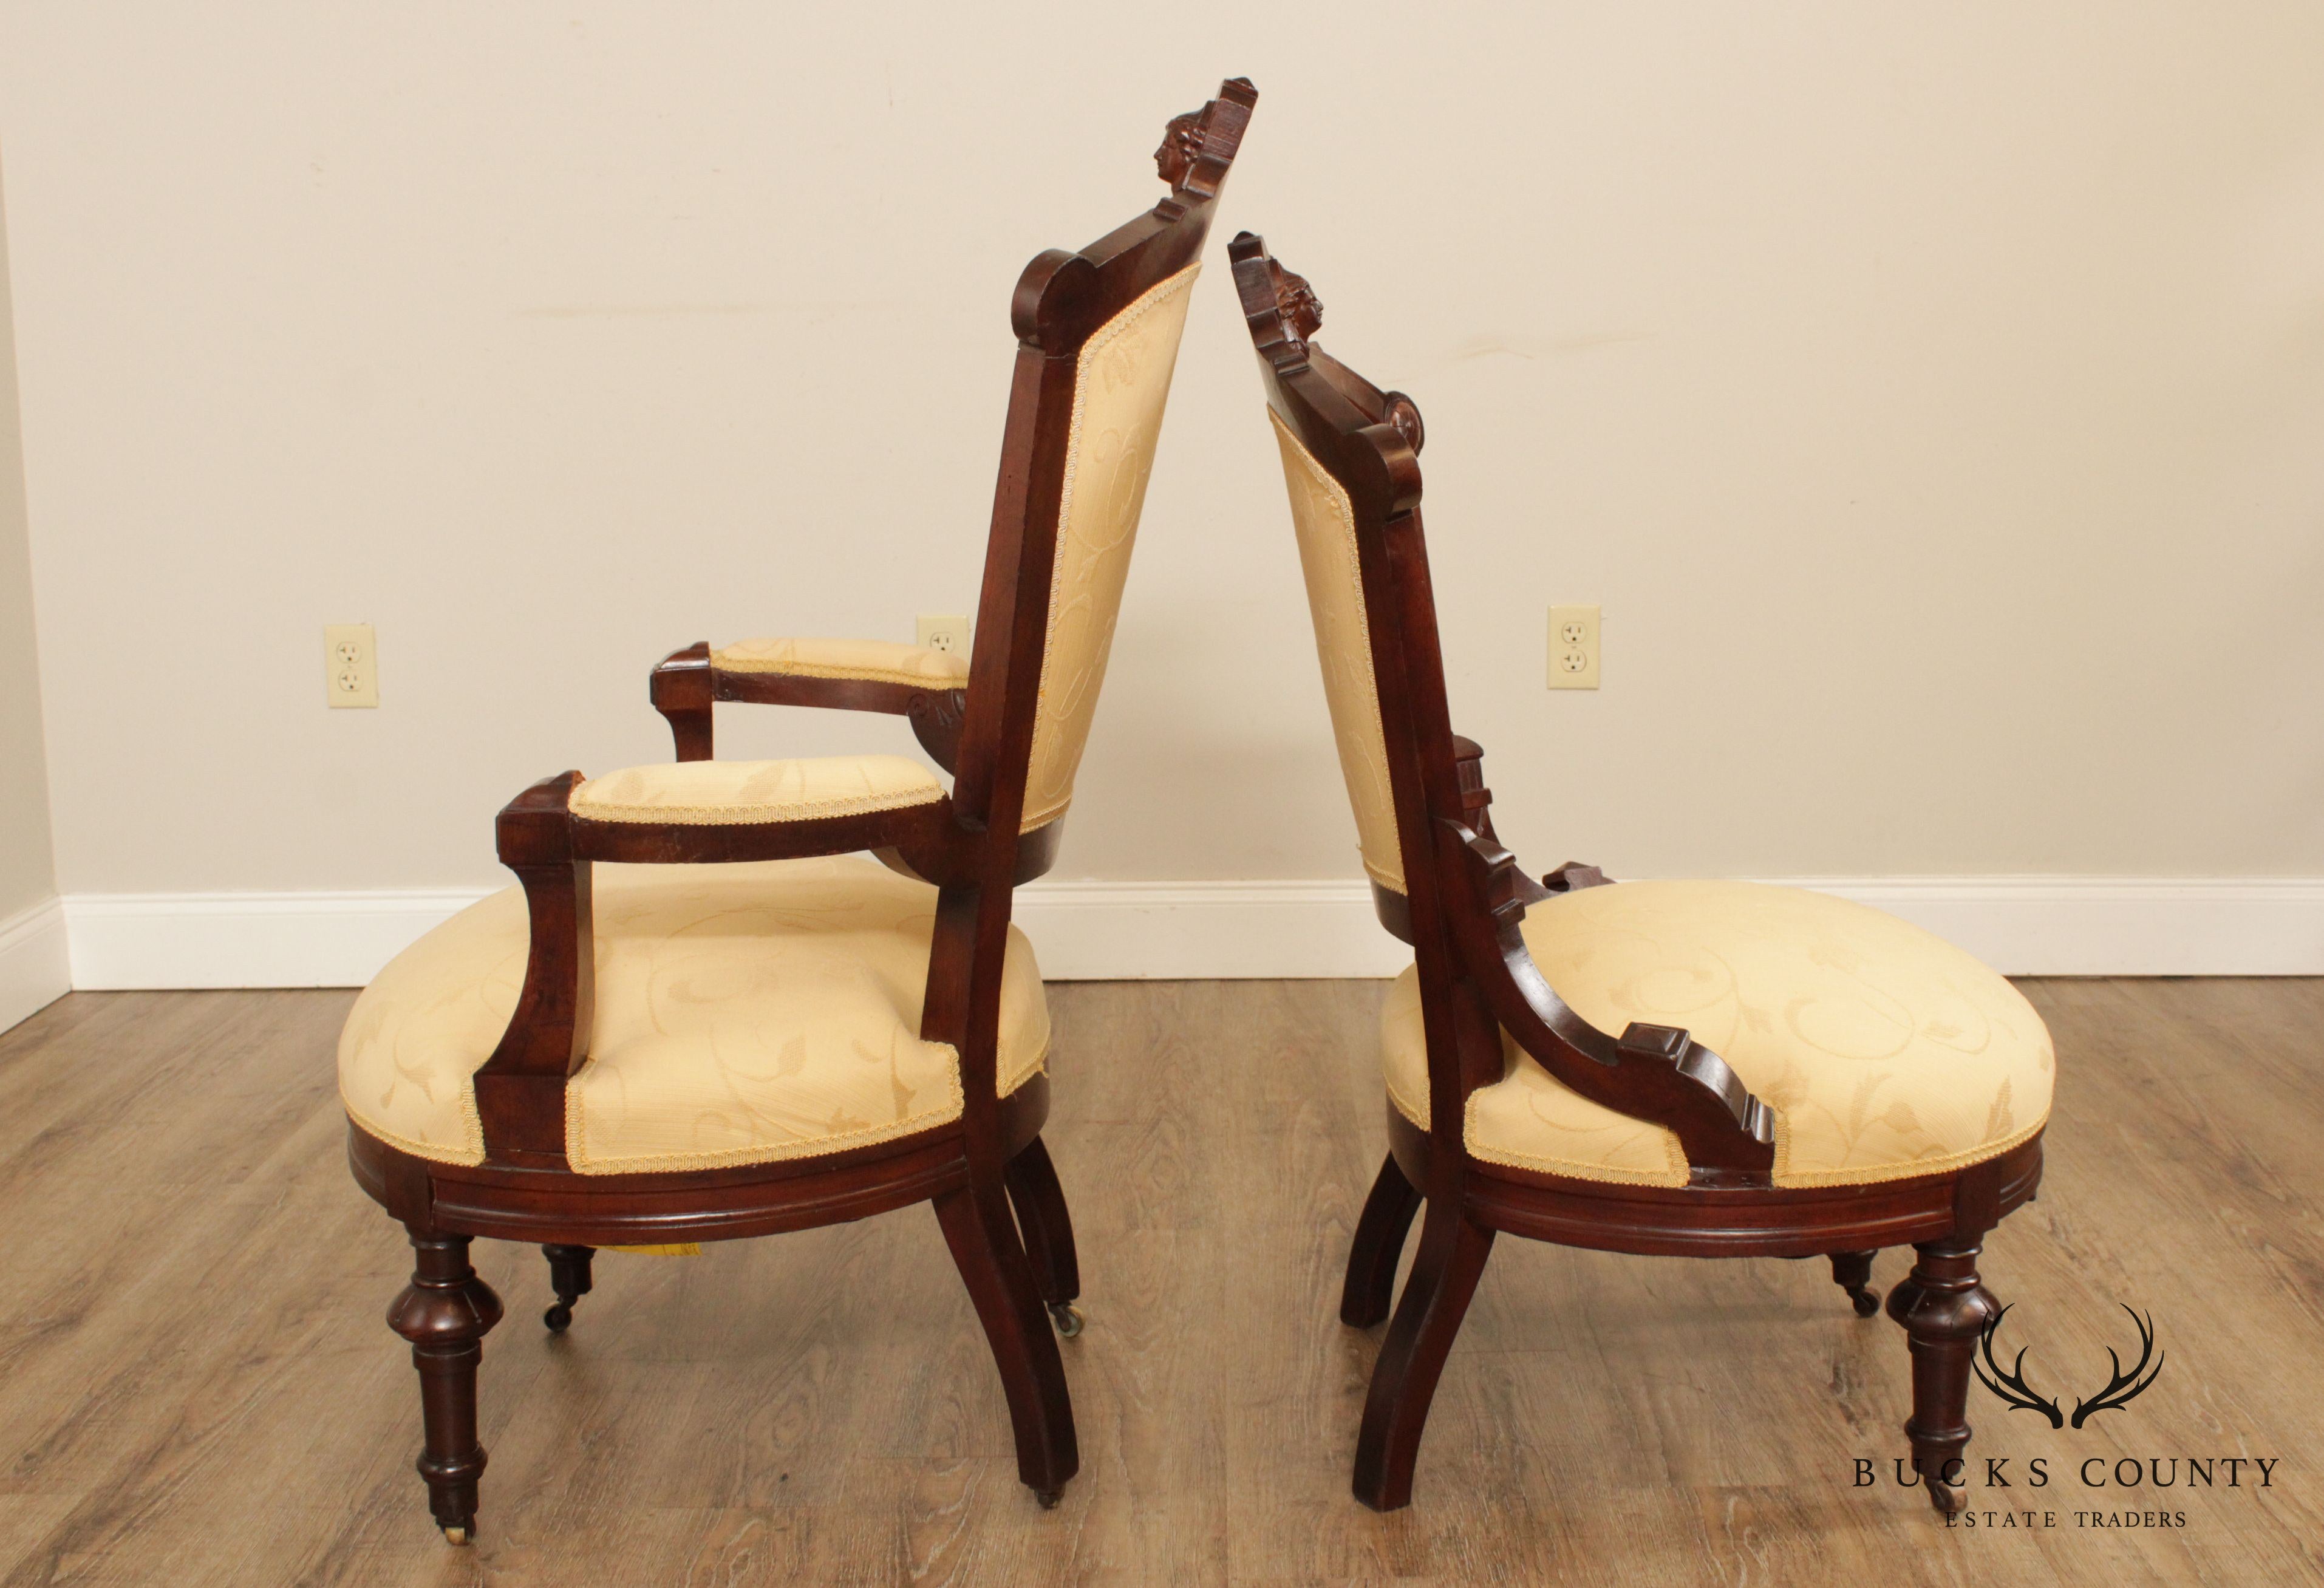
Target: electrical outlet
point(1573, 648)
point(942, 633)
point(350, 665)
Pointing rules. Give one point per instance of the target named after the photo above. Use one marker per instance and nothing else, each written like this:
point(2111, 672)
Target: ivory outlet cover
point(942, 633)
point(350, 665)
point(1573, 648)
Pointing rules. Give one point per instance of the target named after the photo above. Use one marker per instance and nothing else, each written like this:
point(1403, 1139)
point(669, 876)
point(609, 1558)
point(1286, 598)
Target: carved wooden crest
point(1281, 309)
point(1198, 147)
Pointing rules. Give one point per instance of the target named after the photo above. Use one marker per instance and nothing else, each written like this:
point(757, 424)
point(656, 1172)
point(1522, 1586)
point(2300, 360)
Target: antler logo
point(2124, 1388)
point(2121, 1388)
point(2011, 1385)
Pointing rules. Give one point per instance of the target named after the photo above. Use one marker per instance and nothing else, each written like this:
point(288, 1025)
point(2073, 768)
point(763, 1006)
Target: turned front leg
point(445, 1312)
point(1943, 1309)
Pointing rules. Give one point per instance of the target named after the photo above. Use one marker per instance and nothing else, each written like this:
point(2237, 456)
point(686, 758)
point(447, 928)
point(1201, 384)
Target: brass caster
point(1867, 1303)
point(1048, 1498)
point(1068, 1319)
point(558, 1318)
point(456, 1535)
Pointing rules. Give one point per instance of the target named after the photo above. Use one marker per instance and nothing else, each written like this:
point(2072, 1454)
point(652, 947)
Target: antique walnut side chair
point(1704, 1069)
point(743, 1025)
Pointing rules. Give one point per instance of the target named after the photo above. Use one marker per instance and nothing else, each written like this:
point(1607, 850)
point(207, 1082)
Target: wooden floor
point(197, 1384)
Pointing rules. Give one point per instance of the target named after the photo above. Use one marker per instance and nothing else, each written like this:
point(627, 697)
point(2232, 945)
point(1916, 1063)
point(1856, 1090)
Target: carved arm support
point(520, 1088)
point(685, 683)
point(1654, 1073)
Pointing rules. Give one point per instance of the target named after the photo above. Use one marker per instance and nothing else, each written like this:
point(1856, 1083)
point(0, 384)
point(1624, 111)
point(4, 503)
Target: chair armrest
point(699, 812)
point(869, 661)
point(713, 811)
point(1658, 1074)
point(928, 686)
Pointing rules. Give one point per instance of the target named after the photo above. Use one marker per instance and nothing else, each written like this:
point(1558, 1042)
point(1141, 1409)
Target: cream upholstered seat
point(1884, 1052)
point(744, 1013)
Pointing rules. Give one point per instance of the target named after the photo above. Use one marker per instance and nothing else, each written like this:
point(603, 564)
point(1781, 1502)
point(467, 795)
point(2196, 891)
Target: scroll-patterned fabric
point(716, 793)
point(882, 661)
point(1884, 1051)
point(1119, 387)
point(744, 1013)
point(1326, 527)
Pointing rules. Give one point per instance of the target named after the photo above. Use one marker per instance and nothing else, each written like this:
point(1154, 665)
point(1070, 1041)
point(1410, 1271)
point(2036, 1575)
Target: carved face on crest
point(1181, 145)
point(1296, 301)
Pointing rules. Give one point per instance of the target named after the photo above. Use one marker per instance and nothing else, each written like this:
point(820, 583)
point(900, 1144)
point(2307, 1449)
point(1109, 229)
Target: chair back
point(1097, 339)
point(1098, 336)
point(1441, 879)
point(1350, 461)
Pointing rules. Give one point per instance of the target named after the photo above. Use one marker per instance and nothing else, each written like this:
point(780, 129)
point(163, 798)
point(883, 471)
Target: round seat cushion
point(1884, 1052)
point(744, 1013)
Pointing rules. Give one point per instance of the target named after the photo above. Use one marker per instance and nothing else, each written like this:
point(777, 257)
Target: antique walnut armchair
point(1706, 1069)
point(707, 1015)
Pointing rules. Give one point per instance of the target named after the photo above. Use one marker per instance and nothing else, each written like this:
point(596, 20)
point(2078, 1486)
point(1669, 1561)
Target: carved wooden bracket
point(1469, 772)
point(1654, 1073)
point(1506, 885)
point(938, 717)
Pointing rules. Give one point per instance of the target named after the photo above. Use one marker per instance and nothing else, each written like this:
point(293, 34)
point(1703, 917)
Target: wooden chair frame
point(968, 843)
point(1467, 897)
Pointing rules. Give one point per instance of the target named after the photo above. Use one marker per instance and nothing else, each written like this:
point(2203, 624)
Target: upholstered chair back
point(1324, 520)
point(1121, 382)
point(1349, 461)
point(1098, 333)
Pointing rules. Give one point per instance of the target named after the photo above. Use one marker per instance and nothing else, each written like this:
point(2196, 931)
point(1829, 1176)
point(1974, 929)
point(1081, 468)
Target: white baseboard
point(2111, 926)
point(35, 967)
point(1100, 931)
point(131, 940)
point(1206, 931)
point(1081, 931)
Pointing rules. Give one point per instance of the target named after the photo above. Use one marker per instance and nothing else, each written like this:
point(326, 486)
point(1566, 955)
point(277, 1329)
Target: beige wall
point(1934, 397)
point(27, 872)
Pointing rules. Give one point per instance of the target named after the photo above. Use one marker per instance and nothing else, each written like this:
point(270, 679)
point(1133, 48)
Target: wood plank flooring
point(197, 1384)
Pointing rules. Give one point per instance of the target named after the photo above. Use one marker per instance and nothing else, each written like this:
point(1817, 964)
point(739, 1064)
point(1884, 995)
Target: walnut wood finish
point(967, 844)
point(1048, 1224)
point(445, 1312)
point(685, 683)
point(1463, 911)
